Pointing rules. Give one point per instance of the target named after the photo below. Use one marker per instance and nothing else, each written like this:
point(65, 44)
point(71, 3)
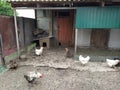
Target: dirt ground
point(61, 74)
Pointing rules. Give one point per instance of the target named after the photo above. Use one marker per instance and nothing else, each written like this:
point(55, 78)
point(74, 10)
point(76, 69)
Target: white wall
point(84, 36)
point(114, 40)
point(29, 13)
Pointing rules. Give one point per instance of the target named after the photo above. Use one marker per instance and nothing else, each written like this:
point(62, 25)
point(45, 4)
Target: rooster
point(32, 76)
point(39, 51)
point(84, 60)
point(111, 63)
point(68, 53)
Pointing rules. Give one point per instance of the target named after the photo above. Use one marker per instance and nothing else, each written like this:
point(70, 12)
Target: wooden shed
point(95, 21)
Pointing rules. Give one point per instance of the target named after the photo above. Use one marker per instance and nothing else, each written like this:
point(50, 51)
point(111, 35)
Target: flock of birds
point(32, 76)
point(84, 60)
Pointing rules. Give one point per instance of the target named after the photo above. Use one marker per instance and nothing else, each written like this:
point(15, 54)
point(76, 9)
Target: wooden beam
point(50, 23)
point(47, 8)
point(2, 52)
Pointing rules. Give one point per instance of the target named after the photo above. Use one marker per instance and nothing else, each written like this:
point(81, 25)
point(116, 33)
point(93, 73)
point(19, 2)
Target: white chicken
point(112, 63)
point(32, 76)
point(84, 60)
point(39, 51)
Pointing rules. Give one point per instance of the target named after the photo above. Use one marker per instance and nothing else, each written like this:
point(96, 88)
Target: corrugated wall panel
point(98, 17)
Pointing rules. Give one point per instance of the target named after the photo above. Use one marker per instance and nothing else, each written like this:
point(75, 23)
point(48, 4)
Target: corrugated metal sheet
point(7, 31)
point(98, 17)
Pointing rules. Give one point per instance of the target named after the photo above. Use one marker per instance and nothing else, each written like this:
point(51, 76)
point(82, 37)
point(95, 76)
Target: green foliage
point(5, 8)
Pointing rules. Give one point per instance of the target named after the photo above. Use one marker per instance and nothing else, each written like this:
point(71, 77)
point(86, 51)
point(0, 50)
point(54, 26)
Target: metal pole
point(76, 35)
point(16, 31)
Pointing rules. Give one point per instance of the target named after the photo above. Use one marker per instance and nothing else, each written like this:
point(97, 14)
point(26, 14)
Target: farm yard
point(60, 73)
point(90, 28)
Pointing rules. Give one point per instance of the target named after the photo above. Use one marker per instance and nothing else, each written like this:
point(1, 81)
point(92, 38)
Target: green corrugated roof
point(98, 17)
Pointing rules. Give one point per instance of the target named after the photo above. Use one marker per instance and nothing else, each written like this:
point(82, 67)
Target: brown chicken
point(13, 64)
point(68, 53)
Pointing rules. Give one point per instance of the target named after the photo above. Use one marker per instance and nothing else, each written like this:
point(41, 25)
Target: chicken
point(29, 79)
point(39, 51)
point(68, 53)
point(112, 63)
point(13, 64)
point(84, 60)
point(32, 76)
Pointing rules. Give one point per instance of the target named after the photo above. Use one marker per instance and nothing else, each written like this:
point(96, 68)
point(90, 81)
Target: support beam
point(102, 3)
point(50, 23)
point(76, 40)
point(48, 8)
point(16, 32)
point(2, 52)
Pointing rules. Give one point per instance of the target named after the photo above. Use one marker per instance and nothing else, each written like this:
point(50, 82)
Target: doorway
point(64, 21)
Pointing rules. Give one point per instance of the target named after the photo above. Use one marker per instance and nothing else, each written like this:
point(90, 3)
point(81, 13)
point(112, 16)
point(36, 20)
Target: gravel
point(61, 74)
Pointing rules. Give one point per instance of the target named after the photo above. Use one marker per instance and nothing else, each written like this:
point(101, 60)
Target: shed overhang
point(64, 3)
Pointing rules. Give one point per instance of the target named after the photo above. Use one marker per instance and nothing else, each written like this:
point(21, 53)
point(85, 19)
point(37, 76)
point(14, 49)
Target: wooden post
point(16, 32)
point(50, 23)
point(76, 35)
point(2, 52)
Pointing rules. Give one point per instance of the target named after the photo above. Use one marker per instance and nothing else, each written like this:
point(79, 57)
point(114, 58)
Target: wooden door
point(64, 31)
point(99, 38)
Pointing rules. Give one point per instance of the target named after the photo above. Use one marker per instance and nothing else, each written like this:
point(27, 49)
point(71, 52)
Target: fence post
point(16, 32)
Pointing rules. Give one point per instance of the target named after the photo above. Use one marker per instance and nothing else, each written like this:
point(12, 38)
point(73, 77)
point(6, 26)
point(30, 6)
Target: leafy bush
point(5, 8)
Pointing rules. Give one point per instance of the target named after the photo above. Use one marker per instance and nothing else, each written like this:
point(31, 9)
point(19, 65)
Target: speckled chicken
point(32, 76)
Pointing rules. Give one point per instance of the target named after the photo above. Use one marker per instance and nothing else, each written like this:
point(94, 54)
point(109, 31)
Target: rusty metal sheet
point(7, 31)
